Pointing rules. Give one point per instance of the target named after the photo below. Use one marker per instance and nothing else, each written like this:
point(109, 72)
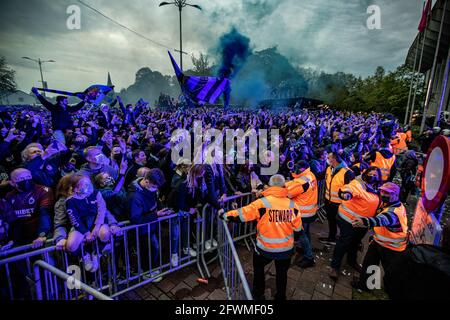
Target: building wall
point(17, 98)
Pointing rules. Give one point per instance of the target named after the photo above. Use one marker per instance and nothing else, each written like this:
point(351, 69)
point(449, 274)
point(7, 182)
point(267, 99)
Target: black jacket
point(104, 120)
point(215, 185)
point(143, 204)
point(421, 273)
point(179, 198)
point(61, 118)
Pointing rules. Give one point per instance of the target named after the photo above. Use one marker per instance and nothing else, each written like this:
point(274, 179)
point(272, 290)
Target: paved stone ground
point(309, 284)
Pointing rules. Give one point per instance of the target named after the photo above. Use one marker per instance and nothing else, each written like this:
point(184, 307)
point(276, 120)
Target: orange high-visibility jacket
point(334, 183)
point(306, 201)
point(409, 137)
point(363, 204)
point(399, 143)
point(278, 217)
point(394, 239)
point(385, 165)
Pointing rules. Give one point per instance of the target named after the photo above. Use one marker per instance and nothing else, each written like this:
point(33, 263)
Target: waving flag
point(95, 93)
point(425, 14)
point(202, 89)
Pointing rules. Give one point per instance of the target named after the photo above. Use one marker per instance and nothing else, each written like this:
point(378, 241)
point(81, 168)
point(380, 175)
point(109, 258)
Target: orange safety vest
point(334, 183)
point(390, 238)
point(278, 217)
point(363, 204)
point(306, 201)
point(409, 138)
point(399, 144)
point(385, 165)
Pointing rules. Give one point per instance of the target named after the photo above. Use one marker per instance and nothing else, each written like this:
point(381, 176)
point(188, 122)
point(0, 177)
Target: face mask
point(152, 189)
point(328, 162)
point(25, 185)
point(86, 191)
point(386, 199)
point(118, 158)
point(371, 179)
point(109, 181)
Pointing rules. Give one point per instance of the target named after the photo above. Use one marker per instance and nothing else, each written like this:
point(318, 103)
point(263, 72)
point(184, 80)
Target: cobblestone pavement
point(309, 284)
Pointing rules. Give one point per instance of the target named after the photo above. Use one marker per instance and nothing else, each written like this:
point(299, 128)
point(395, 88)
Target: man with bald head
point(278, 217)
point(31, 206)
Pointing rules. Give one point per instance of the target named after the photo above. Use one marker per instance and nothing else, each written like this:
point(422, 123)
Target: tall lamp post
point(180, 4)
point(40, 63)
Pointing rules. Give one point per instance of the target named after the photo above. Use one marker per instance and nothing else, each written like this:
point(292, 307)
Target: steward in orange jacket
point(383, 159)
point(337, 175)
point(360, 199)
point(399, 143)
point(391, 232)
point(304, 191)
point(277, 219)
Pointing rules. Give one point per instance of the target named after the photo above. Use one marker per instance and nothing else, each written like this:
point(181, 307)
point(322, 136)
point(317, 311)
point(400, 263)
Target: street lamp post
point(181, 4)
point(40, 62)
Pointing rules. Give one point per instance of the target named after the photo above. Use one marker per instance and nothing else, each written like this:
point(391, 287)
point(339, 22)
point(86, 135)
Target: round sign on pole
point(437, 174)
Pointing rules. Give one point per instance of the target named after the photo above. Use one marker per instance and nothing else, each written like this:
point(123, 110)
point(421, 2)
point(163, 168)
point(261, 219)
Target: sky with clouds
point(329, 35)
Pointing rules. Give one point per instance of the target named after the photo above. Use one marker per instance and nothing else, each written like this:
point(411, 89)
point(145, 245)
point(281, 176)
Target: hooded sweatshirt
point(143, 203)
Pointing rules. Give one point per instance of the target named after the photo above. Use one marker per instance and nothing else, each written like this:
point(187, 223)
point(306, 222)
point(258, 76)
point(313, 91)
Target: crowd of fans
point(72, 173)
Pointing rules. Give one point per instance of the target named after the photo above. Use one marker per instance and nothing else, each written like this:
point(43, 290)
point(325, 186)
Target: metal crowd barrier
point(53, 276)
point(18, 277)
point(209, 230)
point(143, 254)
point(321, 214)
point(236, 284)
point(139, 255)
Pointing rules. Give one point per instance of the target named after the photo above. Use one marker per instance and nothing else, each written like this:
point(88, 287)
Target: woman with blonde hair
point(86, 209)
point(61, 219)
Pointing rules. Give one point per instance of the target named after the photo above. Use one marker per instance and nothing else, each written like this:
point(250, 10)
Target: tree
point(201, 64)
point(7, 77)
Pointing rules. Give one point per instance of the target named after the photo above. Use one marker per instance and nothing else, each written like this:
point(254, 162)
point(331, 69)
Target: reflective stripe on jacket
point(334, 183)
point(385, 165)
point(363, 204)
point(278, 217)
point(393, 238)
point(306, 201)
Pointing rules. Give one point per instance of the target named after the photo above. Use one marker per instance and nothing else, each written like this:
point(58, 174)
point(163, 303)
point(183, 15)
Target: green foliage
point(7, 77)
point(149, 85)
point(202, 67)
point(380, 93)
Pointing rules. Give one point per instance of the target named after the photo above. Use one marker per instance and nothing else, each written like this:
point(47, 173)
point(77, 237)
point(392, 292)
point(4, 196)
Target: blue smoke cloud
point(235, 49)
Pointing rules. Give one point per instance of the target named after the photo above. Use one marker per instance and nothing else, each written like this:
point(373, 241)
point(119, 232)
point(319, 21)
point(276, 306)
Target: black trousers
point(376, 254)
point(405, 190)
point(348, 242)
point(259, 283)
point(332, 211)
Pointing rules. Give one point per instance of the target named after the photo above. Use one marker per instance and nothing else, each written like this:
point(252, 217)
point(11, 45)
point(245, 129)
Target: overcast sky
point(329, 35)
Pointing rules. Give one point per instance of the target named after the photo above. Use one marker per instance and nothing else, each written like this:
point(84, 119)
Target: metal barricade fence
point(208, 238)
point(17, 275)
point(321, 200)
point(53, 279)
point(234, 278)
point(139, 255)
point(146, 252)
